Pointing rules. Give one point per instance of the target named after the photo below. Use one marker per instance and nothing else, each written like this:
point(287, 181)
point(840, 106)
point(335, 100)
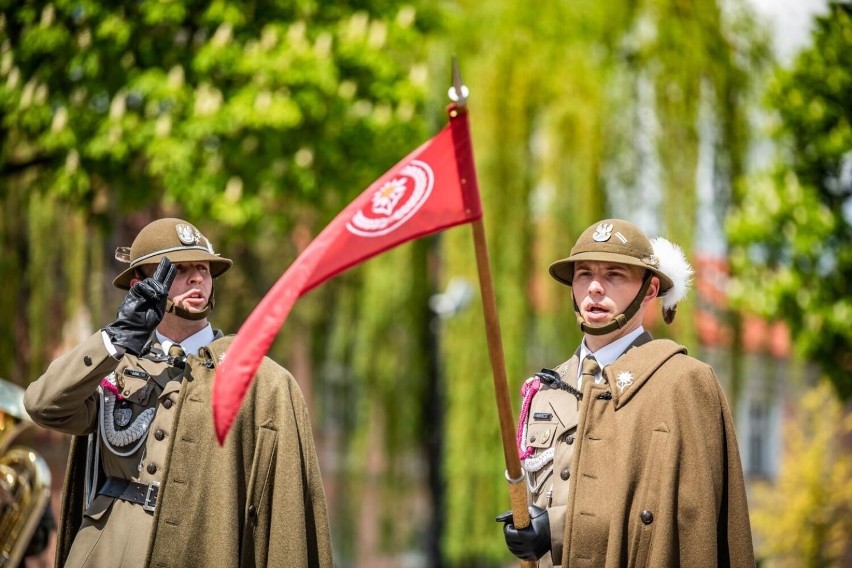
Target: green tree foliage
point(223, 107)
point(792, 234)
point(265, 118)
point(805, 518)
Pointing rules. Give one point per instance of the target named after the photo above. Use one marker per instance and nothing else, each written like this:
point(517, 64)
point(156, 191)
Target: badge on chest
point(118, 425)
point(122, 414)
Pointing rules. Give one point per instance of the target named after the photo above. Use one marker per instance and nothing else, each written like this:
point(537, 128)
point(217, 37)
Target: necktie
point(177, 357)
point(589, 369)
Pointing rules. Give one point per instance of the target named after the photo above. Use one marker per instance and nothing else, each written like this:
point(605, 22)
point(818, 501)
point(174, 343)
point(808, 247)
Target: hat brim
point(563, 270)
point(218, 265)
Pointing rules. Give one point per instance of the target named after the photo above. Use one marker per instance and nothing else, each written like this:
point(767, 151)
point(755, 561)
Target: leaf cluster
point(791, 236)
point(233, 111)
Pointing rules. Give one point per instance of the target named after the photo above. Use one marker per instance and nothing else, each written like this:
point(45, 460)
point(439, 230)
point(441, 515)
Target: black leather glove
point(531, 542)
point(142, 309)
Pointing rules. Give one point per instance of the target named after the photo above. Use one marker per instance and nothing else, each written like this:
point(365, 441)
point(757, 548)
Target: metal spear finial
point(458, 93)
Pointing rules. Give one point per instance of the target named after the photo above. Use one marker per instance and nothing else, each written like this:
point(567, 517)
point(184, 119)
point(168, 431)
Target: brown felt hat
point(612, 240)
point(176, 239)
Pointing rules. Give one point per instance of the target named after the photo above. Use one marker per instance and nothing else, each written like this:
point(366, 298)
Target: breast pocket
point(137, 390)
point(540, 435)
point(552, 413)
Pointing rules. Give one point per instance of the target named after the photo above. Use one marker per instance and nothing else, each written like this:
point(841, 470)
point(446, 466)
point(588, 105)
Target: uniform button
point(152, 469)
point(532, 438)
point(565, 474)
point(168, 403)
point(126, 393)
point(159, 435)
point(647, 517)
point(252, 511)
point(570, 439)
point(87, 361)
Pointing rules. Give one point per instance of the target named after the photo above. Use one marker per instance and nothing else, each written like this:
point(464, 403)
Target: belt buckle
point(151, 496)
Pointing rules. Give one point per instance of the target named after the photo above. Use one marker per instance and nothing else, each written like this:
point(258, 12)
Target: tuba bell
point(24, 479)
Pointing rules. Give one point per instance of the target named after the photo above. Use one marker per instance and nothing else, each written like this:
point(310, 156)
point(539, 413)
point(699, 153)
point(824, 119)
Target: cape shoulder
point(268, 369)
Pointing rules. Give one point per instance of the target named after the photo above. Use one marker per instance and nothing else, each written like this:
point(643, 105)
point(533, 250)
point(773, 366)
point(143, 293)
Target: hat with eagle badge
point(176, 239)
point(622, 242)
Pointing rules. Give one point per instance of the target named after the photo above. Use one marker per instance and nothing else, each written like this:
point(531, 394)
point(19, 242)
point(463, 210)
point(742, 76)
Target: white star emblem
point(624, 380)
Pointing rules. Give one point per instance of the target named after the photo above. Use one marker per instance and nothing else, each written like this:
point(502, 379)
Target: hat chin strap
point(172, 308)
point(621, 319)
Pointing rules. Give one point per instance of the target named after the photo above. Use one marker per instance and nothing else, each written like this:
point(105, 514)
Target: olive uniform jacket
point(642, 469)
point(256, 501)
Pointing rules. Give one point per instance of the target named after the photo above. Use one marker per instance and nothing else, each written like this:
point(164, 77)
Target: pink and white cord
point(108, 383)
point(528, 390)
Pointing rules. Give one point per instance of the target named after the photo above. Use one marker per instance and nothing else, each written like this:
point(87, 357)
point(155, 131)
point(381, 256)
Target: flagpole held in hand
point(457, 111)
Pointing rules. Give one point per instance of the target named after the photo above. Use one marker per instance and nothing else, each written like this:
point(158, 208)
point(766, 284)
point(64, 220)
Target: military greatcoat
point(642, 470)
point(256, 501)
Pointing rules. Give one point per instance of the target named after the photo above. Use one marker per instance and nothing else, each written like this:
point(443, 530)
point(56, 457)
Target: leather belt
point(126, 490)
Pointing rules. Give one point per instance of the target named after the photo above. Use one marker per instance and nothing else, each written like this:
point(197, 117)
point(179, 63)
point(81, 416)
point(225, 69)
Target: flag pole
point(514, 474)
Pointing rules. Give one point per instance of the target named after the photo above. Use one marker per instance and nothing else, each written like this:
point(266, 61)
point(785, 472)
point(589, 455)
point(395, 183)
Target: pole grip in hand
point(518, 498)
point(520, 512)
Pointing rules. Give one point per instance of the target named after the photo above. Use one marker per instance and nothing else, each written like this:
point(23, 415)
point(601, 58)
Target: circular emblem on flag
point(395, 201)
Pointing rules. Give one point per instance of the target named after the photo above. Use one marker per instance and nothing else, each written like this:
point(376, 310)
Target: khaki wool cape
point(655, 473)
point(257, 501)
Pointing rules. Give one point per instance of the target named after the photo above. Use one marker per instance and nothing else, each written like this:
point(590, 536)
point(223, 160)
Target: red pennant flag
point(431, 189)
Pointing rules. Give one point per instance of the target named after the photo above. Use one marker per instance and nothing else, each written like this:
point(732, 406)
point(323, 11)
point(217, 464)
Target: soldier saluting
point(147, 482)
point(629, 446)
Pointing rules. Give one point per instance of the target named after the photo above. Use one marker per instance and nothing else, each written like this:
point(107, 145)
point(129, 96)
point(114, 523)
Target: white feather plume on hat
point(673, 264)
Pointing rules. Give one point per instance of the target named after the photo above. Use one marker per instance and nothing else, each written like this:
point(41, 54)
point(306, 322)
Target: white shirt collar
point(191, 344)
point(609, 353)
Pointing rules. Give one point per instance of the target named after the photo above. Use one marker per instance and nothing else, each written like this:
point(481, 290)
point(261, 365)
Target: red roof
point(758, 335)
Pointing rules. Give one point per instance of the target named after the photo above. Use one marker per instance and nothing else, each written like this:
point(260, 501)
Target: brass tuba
point(24, 479)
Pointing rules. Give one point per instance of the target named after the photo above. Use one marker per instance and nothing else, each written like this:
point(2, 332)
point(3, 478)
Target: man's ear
point(139, 275)
point(653, 289)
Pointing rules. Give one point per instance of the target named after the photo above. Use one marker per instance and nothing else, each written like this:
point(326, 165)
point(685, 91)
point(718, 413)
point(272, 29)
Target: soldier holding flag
point(628, 446)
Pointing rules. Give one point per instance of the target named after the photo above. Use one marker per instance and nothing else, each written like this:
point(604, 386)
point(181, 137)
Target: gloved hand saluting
point(531, 542)
point(142, 309)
